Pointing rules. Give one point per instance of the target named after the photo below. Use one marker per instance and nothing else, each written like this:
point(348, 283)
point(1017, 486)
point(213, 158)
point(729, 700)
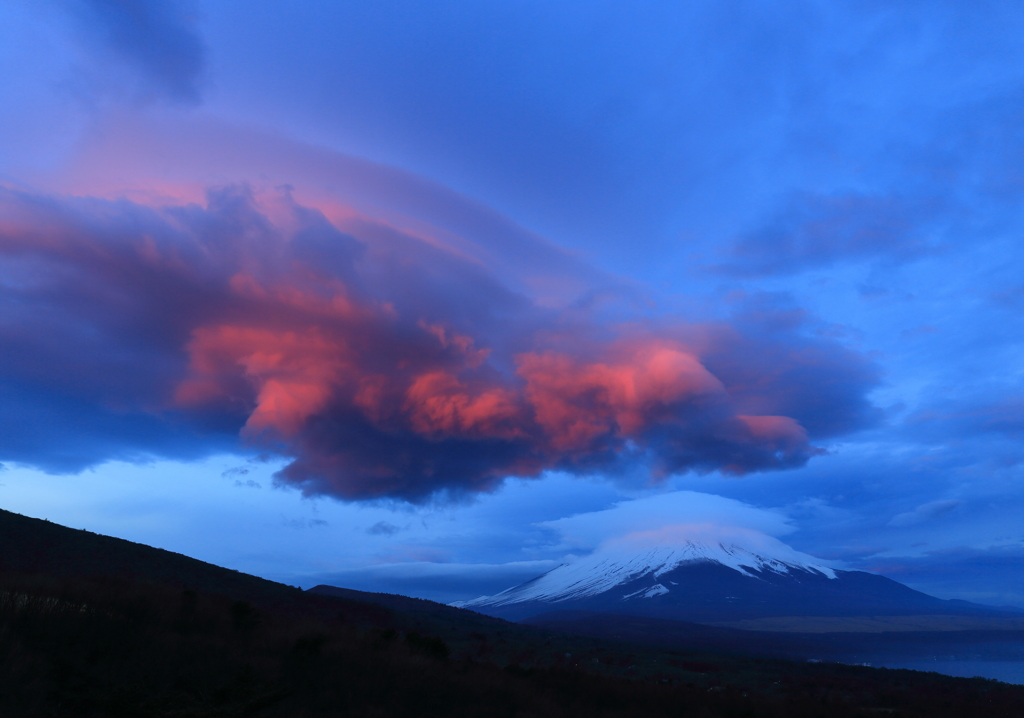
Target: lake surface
point(1006, 671)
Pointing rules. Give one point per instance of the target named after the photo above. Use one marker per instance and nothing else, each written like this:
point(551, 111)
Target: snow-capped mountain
point(623, 562)
point(706, 574)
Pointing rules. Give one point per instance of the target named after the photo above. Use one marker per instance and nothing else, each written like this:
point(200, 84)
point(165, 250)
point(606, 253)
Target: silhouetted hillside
point(38, 547)
point(95, 626)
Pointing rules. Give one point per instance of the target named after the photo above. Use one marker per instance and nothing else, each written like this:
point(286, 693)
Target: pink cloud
point(381, 364)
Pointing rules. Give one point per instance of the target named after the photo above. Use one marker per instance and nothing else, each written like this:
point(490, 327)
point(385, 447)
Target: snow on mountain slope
point(656, 553)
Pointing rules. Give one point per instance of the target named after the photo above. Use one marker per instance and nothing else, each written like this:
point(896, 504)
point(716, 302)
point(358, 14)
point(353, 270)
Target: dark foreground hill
point(95, 626)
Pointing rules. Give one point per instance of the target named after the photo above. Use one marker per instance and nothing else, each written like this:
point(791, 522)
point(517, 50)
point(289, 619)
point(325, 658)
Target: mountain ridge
point(706, 581)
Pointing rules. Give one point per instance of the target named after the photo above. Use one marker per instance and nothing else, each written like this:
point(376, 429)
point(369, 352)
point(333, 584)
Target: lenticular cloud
point(379, 363)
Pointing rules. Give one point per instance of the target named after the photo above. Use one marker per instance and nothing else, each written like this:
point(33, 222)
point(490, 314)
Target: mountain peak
point(707, 574)
point(655, 553)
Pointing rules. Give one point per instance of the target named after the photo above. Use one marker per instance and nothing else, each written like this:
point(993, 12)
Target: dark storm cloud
point(382, 365)
point(158, 38)
point(775, 361)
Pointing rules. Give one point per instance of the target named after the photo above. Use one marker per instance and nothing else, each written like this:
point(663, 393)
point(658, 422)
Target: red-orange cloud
point(383, 366)
point(577, 402)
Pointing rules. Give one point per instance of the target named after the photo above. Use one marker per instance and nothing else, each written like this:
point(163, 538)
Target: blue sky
point(792, 227)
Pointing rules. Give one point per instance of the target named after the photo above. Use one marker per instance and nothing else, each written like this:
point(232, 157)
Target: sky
point(430, 298)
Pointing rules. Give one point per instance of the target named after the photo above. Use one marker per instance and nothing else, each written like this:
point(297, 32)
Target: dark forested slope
point(95, 626)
